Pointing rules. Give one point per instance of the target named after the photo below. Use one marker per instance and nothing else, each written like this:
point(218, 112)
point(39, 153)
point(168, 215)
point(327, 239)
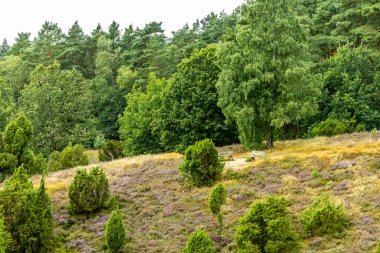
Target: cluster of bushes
point(332, 127)
point(26, 218)
point(71, 156)
point(88, 193)
point(111, 150)
point(266, 227)
point(14, 148)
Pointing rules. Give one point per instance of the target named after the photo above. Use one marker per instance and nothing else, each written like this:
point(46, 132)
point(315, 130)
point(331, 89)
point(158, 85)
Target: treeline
point(270, 70)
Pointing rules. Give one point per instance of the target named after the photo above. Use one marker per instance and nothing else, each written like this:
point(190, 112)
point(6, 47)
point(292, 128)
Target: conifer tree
point(115, 231)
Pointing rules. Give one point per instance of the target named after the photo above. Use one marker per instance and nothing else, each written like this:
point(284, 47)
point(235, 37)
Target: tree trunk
point(270, 139)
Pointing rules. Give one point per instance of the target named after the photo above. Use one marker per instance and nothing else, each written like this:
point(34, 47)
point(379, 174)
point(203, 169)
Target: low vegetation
point(202, 165)
point(89, 192)
point(199, 242)
point(115, 231)
point(324, 217)
point(160, 210)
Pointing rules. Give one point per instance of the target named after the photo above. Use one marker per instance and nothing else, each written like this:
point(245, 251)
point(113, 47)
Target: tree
point(15, 73)
point(15, 147)
point(4, 236)
point(217, 199)
point(352, 86)
point(7, 104)
point(189, 111)
point(199, 242)
point(266, 82)
point(140, 115)
point(21, 45)
point(266, 228)
point(202, 165)
point(4, 48)
point(88, 192)
point(115, 232)
point(324, 217)
point(108, 99)
point(48, 45)
point(74, 53)
point(36, 234)
point(58, 103)
point(27, 214)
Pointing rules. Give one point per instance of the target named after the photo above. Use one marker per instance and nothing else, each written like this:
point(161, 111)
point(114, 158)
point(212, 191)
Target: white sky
point(29, 15)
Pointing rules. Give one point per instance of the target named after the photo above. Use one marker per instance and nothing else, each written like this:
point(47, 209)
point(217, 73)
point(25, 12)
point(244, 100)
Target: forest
point(269, 71)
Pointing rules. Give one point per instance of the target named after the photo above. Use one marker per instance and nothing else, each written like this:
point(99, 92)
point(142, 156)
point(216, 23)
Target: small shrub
point(218, 197)
point(115, 231)
point(89, 192)
point(266, 228)
point(314, 174)
point(202, 165)
point(111, 150)
point(54, 163)
point(99, 141)
point(332, 127)
point(73, 156)
point(324, 217)
point(199, 242)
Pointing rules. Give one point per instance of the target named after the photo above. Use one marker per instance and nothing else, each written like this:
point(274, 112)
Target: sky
point(28, 16)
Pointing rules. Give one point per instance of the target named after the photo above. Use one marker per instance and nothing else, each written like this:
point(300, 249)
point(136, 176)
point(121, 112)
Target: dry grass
point(161, 210)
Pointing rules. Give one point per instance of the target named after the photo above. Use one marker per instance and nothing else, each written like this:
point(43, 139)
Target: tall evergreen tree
point(4, 48)
point(265, 82)
point(73, 55)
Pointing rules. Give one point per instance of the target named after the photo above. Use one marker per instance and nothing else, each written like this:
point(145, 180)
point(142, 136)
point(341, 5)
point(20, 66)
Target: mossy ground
point(160, 210)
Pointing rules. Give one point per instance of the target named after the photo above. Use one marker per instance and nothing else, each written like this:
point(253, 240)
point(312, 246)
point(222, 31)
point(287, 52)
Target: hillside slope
point(161, 210)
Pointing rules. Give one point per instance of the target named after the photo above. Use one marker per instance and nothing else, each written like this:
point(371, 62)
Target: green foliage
point(218, 198)
point(54, 163)
point(351, 80)
point(14, 148)
point(199, 242)
point(115, 231)
point(377, 250)
point(266, 82)
point(7, 104)
point(27, 214)
point(189, 111)
point(331, 127)
point(58, 103)
point(324, 217)
point(202, 165)
point(70, 157)
point(89, 192)
point(108, 98)
point(4, 236)
point(314, 174)
point(73, 156)
point(266, 228)
point(111, 150)
point(99, 141)
point(142, 111)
